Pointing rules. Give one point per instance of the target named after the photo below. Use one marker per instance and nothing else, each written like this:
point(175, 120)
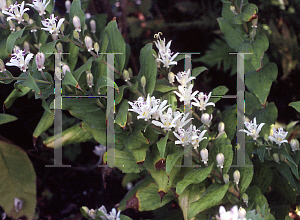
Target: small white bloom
point(184, 77)
point(88, 43)
point(40, 6)
point(220, 160)
point(242, 214)
point(196, 133)
point(236, 176)
point(185, 94)
point(51, 26)
point(294, 144)
point(167, 120)
point(202, 101)
point(15, 12)
point(233, 214)
point(113, 215)
point(3, 5)
point(12, 25)
point(185, 136)
point(253, 129)
point(204, 155)
point(17, 59)
point(164, 52)
point(278, 136)
point(182, 121)
point(206, 119)
point(31, 22)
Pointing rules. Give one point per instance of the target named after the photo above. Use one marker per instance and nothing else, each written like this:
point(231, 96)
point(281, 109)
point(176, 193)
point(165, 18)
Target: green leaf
point(15, 94)
point(161, 145)
point(46, 89)
point(135, 140)
point(248, 10)
point(72, 135)
point(212, 196)
point(48, 48)
point(6, 118)
point(45, 122)
point(171, 98)
point(125, 161)
point(229, 119)
point(256, 197)
point(116, 44)
point(251, 103)
point(164, 88)
point(140, 154)
point(73, 56)
point(218, 91)
point(194, 177)
point(86, 66)
point(10, 43)
point(69, 79)
point(119, 95)
point(18, 180)
point(233, 37)
point(148, 69)
point(286, 172)
point(196, 71)
point(76, 10)
point(30, 83)
point(261, 150)
point(295, 105)
point(3, 51)
point(172, 159)
point(124, 217)
point(263, 176)
point(121, 117)
point(50, 7)
point(221, 145)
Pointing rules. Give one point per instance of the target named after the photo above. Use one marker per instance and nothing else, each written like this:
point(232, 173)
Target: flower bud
point(40, 60)
point(204, 155)
point(26, 46)
point(143, 81)
point(171, 77)
point(206, 119)
point(294, 144)
point(18, 28)
point(129, 186)
point(126, 75)
point(59, 48)
point(130, 72)
point(129, 118)
point(226, 178)
point(88, 15)
point(93, 26)
point(65, 68)
point(86, 209)
point(236, 176)
point(220, 160)
point(76, 23)
point(276, 157)
point(92, 213)
point(68, 6)
point(2, 66)
point(97, 47)
point(75, 35)
point(89, 79)
point(58, 72)
point(221, 127)
point(88, 43)
point(18, 204)
point(232, 8)
point(12, 25)
point(26, 17)
point(242, 213)
point(245, 198)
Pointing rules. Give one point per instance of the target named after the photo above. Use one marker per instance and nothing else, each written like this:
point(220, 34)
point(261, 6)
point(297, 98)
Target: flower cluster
point(190, 135)
point(164, 52)
point(102, 213)
point(15, 12)
point(51, 25)
point(233, 214)
point(253, 129)
point(18, 59)
point(278, 136)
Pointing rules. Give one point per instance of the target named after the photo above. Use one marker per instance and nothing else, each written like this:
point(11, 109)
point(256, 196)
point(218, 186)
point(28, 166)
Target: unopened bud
point(204, 155)
point(245, 198)
point(171, 77)
point(62, 27)
point(58, 72)
point(220, 160)
point(2, 66)
point(282, 158)
point(226, 178)
point(40, 60)
point(86, 209)
point(59, 48)
point(129, 118)
point(93, 26)
point(89, 79)
point(294, 144)
point(130, 72)
point(276, 157)
point(221, 127)
point(143, 81)
point(206, 119)
point(88, 15)
point(88, 43)
point(26, 46)
point(75, 35)
point(242, 213)
point(18, 28)
point(97, 47)
point(12, 25)
point(126, 75)
point(68, 6)
point(236, 176)
point(65, 68)
point(232, 7)
point(26, 17)
point(76, 23)
point(18, 204)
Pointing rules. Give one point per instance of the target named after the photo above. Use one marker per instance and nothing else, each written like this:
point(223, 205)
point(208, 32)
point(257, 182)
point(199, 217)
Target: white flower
point(184, 77)
point(16, 12)
point(51, 26)
point(185, 94)
point(40, 6)
point(167, 120)
point(17, 59)
point(196, 141)
point(278, 136)
point(99, 150)
point(185, 136)
point(164, 52)
point(181, 121)
point(233, 214)
point(161, 107)
point(202, 101)
point(204, 155)
point(3, 5)
point(253, 129)
point(220, 160)
point(113, 215)
point(143, 108)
